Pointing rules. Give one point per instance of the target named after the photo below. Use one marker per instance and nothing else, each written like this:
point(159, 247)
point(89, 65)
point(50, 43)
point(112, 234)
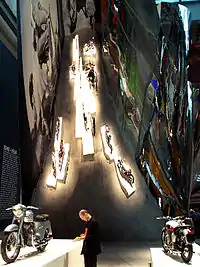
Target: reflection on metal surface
point(170, 130)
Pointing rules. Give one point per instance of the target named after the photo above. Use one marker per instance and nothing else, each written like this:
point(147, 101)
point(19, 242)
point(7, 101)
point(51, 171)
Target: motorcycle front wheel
point(7, 245)
point(164, 237)
point(187, 253)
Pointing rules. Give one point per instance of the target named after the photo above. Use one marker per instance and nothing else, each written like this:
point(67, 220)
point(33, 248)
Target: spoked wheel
point(165, 240)
point(187, 253)
point(9, 248)
point(42, 247)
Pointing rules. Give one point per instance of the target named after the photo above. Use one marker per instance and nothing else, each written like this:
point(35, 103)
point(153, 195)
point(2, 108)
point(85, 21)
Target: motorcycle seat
point(41, 217)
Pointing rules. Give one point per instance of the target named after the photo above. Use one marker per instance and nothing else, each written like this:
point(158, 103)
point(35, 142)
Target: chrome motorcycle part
point(28, 216)
point(165, 240)
point(18, 211)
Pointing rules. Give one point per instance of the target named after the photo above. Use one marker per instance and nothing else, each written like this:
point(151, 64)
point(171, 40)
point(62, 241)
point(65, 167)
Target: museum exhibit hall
point(100, 136)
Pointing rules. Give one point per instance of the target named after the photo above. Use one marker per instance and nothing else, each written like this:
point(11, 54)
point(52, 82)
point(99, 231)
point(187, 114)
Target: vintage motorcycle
point(178, 236)
point(25, 230)
point(108, 138)
point(126, 174)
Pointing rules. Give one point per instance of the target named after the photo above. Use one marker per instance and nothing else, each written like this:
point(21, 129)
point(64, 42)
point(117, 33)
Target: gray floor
point(126, 254)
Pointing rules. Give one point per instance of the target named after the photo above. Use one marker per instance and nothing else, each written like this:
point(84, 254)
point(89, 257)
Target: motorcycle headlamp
point(18, 212)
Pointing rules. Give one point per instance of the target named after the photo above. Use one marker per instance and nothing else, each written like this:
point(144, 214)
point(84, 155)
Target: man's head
point(84, 215)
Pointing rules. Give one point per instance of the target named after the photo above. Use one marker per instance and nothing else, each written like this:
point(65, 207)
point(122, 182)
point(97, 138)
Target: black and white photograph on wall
point(40, 47)
point(78, 14)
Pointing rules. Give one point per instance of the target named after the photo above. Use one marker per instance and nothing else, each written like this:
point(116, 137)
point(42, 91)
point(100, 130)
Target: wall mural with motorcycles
point(77, 14)
point(40, 44)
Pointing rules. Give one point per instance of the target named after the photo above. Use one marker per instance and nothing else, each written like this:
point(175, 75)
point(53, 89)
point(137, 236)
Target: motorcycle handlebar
point(9, 208)
point(32, 208)
point(168, 217)
point(163, 218)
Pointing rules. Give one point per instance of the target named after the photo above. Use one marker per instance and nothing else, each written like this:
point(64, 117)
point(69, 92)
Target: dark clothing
point(196, 219)
point(91, 244)
point(91, 76)
point(195, 216)
point(90, 260)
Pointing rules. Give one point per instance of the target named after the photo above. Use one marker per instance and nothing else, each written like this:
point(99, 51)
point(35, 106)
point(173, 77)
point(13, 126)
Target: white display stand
point(51, 180)
point(59, 253)
point(87, 140)
point(159, 258)
point(60, 175)
point(79, 119)
point(106, 148)
point(87, 96)
point(90, 52)
point(126, 187)
point(76, 83)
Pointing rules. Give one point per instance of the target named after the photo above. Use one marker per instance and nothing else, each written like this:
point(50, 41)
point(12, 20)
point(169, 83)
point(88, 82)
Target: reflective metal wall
point(171, 127)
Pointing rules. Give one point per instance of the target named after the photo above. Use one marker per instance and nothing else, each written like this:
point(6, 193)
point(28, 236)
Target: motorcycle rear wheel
point(42, 248)
point(189, 254)
point(164, 241)
point(4, 246)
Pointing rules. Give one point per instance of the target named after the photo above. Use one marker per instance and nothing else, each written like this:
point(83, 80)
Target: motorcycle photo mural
point(77, 14)
point(39, 27)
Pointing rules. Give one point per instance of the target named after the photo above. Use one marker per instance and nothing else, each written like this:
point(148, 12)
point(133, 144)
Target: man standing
point(91, 244)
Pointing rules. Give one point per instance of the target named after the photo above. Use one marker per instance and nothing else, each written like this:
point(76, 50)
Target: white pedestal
point(79, 119)
point(159, 258)
point(87, 140)
point(126, 187)
point(51, 180)
point(106, 148)
point(60, 175)
point(59, 253)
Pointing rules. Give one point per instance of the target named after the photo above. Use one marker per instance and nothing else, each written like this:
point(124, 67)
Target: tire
point(4, 245)
point(73, 19)
point(163, 239)
point(43, 247)
point(187, 258)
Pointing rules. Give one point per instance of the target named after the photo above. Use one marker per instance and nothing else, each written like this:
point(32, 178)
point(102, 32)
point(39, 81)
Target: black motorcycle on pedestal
point(126, 174)
point(178, 236)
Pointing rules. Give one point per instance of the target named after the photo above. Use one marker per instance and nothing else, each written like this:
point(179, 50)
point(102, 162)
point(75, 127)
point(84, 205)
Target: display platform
point(59, 252)
point(158, 257)
point(87, 140)
point(51, 180)
point(79, 119)
point(126, 187)
point(107, 150)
